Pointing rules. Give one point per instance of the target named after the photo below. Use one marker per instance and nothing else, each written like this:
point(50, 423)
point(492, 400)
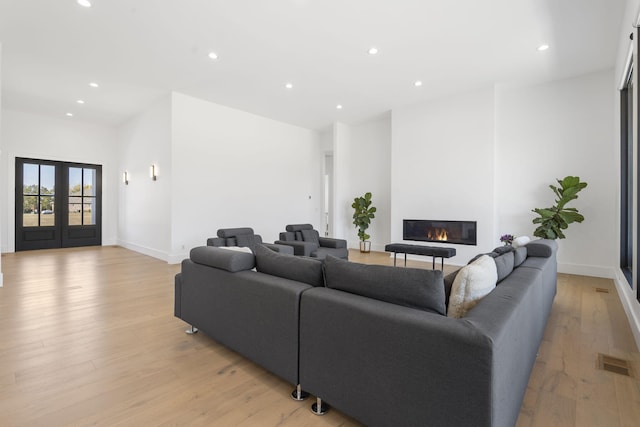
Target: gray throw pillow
point(504, 265)
point(300, 269)
point(311, 236)
point(519, 255)
point(248, 240)
point(503, 249)
point(409, 287)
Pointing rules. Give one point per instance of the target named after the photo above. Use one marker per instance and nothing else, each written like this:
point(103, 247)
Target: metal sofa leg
point(299, 394)
point(191, 330)
point(319, 408)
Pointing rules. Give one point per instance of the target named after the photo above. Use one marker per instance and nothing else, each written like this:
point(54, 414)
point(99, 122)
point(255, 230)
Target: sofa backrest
point(300, 233)
point(242, 236)
point(225, 259)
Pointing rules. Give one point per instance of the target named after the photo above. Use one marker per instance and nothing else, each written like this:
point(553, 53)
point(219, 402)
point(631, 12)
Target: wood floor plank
point(88, 337)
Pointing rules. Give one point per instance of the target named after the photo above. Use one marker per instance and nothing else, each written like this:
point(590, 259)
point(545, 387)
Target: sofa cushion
point(248, 240)
point(311, 236)
point(504, 265)
point(298, 227)
point(300, 269)
point(288, 236)
point(473, 282)
point(232, 261)
point(519, 255)
point(408, 287)
point(232, 232)
point(503, 249)
point(541, 248)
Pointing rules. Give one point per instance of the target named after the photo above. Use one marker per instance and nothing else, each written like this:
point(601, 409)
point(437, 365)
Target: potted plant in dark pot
point(557, 218)
point(363, 213)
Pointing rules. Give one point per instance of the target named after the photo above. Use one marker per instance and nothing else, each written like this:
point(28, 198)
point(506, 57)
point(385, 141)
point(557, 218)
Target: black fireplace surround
point(456, 232)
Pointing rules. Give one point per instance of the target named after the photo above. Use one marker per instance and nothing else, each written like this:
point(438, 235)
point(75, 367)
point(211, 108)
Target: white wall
point(1, 163)
point(549, 131)
point(370, 170)
point(144, 222)
point(235, 169)
point(342, 195)
point(442, 166)
point(62, 139)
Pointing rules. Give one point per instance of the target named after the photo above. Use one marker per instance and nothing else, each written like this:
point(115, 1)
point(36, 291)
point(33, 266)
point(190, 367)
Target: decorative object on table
point(362, 216)
point(507, 239)
point(557, 218)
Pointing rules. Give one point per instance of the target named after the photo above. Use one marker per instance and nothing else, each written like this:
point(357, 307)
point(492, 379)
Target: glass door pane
point(89, 182)
point(38, 195)
point(82, 196)
point(75, 210)
point(75, 181)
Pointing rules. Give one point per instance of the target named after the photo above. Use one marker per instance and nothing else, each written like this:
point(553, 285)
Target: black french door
point(58, 204)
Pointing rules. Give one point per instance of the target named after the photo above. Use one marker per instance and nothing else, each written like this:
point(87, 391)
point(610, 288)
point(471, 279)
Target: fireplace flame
point(437, 234)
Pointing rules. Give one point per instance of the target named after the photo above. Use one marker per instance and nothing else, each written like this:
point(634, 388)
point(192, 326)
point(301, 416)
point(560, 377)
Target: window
point(626, 178)
point(38, 195)
point(82, 196)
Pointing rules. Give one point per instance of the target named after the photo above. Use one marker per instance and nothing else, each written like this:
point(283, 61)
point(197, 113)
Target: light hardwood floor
point(88, 337)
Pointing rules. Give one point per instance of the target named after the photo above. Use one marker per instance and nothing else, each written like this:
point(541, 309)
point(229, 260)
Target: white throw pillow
point(237, 249)
point(520, 241)
point(472, 283)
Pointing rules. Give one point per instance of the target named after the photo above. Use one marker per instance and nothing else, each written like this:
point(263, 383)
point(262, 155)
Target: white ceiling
point(140, 50)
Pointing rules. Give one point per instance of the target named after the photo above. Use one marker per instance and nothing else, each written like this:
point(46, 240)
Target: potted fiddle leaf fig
point(557, 218)
point(363, 213)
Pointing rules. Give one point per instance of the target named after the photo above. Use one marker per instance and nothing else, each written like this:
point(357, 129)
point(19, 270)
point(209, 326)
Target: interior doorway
point(327, 195)
point(58, 204)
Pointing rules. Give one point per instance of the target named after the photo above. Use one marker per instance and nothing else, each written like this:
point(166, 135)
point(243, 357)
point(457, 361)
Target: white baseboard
point(177, 258)
point(587, 270)
point(630, 305)
point(144, 250)
point(110, 242)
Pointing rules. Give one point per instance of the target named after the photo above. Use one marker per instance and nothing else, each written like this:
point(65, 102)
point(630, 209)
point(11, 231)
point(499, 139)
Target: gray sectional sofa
point(244, 237)
point(374, 341)
point(306, 241)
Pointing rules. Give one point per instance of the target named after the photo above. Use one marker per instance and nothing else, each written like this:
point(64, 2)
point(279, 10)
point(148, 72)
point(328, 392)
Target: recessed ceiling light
point(417, 83)
point(213, 55)
point(80, 101)
point(289, 86)
point(69, 114)
point(84, 3)
point(94, 84)
point(339, 106)
point(373, 50)
point(543, 47)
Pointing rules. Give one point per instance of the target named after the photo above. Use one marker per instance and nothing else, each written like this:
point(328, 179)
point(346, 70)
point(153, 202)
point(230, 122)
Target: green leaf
point(557, 218)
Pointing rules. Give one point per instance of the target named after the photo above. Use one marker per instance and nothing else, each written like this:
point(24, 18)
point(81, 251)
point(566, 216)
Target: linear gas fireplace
point(458, 232)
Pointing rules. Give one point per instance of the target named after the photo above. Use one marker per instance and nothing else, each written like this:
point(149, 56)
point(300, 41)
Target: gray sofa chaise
point(371, 342)
point(306, 241)
point(390, 365)
point(245, 237)
point(255, 313)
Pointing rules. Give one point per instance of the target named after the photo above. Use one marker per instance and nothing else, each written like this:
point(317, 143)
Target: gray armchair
point(306, 241)
point(244, 236)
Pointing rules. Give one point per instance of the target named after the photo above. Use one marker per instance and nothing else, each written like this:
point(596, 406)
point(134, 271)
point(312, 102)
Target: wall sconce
point(125, 177)
point(152, 172)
